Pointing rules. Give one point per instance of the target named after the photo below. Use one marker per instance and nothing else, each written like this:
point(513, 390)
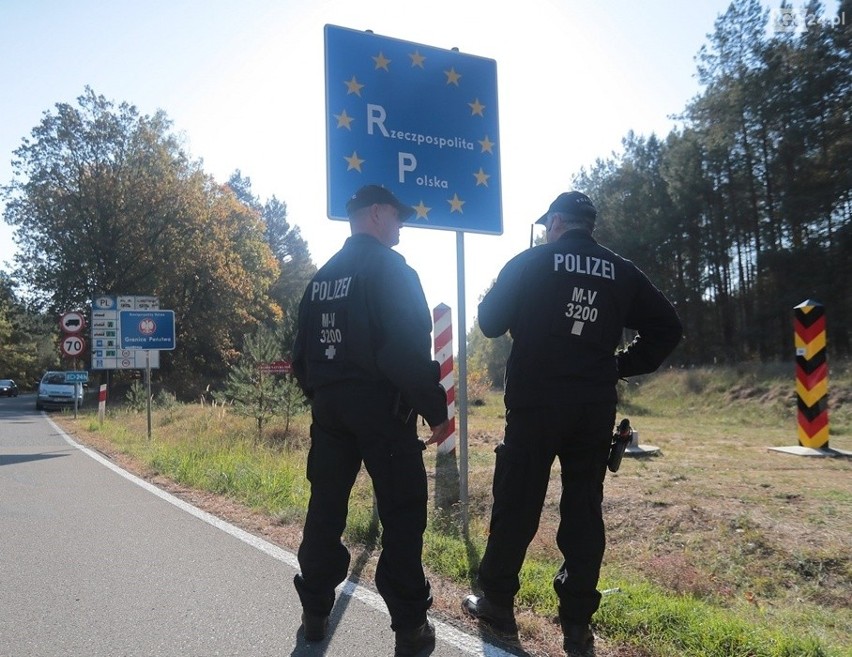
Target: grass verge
point(717, 547)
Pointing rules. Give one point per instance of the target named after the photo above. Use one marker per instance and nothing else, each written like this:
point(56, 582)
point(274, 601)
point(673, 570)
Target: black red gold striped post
point(811, 374)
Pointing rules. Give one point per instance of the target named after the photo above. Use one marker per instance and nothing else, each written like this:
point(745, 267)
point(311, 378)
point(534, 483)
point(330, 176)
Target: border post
point(446, 467)
point(811, 374)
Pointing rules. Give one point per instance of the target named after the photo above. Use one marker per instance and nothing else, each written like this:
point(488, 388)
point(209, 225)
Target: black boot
point(578, 641)
point(315, 627)
point(500, 620)
point(411, 642)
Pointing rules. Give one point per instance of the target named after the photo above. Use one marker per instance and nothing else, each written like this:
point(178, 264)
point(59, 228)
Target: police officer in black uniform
point(362, 356)
point(565, 304)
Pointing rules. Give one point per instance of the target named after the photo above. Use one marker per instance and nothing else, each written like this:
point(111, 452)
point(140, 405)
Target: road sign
point(104, 303)
point(147, 329)
point(275, 367)
point(106, 338)
point(72, 345)
point(419, 120)
point(146, 303)
point(72, 322)
point(77, 376)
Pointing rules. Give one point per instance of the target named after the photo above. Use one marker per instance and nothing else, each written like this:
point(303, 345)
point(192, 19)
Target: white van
point(55, 392)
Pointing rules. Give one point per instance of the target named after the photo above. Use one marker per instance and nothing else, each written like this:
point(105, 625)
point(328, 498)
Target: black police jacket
point(566, 304)
point(364, 317)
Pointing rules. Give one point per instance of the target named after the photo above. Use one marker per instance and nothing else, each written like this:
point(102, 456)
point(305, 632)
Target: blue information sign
point(76, 376)
point(419, 120)
point(147, 329)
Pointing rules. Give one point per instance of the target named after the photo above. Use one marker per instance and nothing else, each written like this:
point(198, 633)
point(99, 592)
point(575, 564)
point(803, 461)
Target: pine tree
point(256, 393)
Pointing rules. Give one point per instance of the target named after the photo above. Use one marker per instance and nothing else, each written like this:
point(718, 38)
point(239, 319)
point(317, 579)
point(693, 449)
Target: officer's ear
point(365, 215)
point(554, 221)
point(374, 214)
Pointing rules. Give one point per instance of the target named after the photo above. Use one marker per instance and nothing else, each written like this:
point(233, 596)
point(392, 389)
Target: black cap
point(370, 194)
point(575, 204)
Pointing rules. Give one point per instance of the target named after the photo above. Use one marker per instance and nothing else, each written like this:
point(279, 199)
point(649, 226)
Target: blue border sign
point(147, 329)
point(419, 120)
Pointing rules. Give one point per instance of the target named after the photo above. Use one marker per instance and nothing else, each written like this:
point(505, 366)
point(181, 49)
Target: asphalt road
point(97, 562)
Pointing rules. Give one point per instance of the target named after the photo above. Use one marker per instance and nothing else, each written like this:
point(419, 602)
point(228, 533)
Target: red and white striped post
point(443, 322)
point(446, 468)
point(102, 395)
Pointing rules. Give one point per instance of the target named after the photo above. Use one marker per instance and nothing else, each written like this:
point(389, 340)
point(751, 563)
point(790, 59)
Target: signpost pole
point(148, 387)
point(462, 381)
point(77, 378)
point(144, 330)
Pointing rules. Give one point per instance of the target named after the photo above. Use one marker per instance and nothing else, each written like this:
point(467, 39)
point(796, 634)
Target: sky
point(243, 82)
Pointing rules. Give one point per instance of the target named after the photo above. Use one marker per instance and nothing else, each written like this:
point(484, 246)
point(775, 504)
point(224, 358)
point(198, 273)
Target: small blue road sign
point(147, 329)
point(76, 376)
point(418, 120)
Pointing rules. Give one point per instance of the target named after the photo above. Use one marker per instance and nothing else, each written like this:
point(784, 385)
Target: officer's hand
point(439, 432)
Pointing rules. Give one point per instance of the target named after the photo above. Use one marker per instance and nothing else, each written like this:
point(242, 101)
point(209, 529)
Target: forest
point(739, 214)
point(745, 211)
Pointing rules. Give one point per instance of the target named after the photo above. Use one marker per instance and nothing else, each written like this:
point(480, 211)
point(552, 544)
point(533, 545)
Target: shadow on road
point(12, 459)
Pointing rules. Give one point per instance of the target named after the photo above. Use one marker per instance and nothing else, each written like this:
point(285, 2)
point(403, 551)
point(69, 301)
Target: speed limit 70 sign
point(72, 345)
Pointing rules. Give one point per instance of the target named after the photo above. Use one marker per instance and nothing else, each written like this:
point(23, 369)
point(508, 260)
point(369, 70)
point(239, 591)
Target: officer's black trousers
point(579, 435)
point(352, 422)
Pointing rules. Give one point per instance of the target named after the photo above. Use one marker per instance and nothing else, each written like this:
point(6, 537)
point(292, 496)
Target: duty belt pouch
point(400, 410)
point(620, 440)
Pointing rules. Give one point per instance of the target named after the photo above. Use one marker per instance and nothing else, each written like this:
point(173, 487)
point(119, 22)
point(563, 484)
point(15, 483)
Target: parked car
point(8, 388)
point(55, 392)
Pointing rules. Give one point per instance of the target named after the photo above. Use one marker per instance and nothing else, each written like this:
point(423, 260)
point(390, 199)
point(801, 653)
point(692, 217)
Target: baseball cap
point(370, 194)
point(575, 204)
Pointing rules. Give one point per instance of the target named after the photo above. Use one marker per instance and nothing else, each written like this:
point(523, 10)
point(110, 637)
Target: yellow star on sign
point(421, 211)
point(354, 161)
point(417, 59)
point(486, 145)
point(481, 177)
point(382, 61)
point(476, 108)
point(344, 120)
point(353, 87)
point(452, 76)
point(456, 204)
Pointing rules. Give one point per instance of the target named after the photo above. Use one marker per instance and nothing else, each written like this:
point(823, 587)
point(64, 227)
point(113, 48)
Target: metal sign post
point(78, 378)
point(462, 384)
point(148, 387)
point(146, 330)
